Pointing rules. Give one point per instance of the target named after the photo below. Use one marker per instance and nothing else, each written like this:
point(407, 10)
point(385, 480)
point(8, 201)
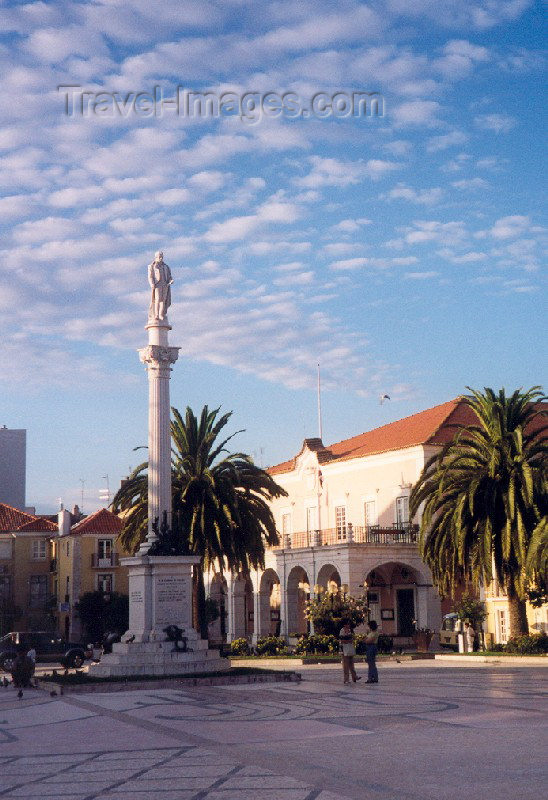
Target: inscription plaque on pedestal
point(171, 598)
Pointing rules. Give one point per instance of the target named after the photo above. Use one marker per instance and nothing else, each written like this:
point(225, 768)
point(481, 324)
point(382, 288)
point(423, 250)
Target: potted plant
point(422, 638)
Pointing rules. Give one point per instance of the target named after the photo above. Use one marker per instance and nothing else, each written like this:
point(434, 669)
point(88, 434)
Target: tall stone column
point(158, 357)
point(160, 640)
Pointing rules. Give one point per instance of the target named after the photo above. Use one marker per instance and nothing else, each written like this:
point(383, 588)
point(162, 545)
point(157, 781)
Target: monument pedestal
point(160, 594)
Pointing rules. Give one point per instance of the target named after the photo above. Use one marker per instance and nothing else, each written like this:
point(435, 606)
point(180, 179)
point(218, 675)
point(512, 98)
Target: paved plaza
point(425, 731)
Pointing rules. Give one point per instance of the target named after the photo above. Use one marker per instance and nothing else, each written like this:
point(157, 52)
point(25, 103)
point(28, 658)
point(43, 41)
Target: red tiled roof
point(39, 524)
point(101, 521)
point(426, 427)
point(11, 519)
point(435, 426)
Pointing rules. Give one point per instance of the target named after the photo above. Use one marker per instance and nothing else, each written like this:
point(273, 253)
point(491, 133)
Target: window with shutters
point(340, 522)
point(370, 513)
point(104, 583)
point(502, 627)
point(38, 593)
point(311, 517)
point(38, 549)
point(402, 511)
point(286, 524)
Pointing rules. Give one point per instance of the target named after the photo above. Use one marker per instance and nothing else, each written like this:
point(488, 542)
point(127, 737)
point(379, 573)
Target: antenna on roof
point(82, 484)
point(319, 405)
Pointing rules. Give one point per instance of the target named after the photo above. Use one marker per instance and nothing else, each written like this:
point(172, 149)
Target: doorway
point(406, 611)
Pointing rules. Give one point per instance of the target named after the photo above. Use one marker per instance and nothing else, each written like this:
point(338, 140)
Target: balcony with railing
point(100, 562)
point(405, 533)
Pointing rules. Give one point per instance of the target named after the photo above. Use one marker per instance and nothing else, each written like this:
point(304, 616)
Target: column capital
point(158, 354)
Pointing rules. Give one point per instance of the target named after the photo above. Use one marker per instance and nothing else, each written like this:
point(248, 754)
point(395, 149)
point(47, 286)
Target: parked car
point(449, 630)
point(49, 647)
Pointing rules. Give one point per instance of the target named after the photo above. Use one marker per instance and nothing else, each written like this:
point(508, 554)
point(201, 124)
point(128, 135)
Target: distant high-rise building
point(13, 462)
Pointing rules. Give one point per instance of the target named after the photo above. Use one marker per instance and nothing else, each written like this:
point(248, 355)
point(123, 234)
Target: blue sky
point(402, 252)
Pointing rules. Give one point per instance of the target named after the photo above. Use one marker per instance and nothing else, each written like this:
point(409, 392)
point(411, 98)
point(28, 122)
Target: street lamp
point(318, 589)
point(344, 589)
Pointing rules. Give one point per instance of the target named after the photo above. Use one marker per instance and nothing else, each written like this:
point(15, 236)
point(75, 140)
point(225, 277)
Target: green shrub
point(328, 612)
point(101, 614)
point(271, 646)
point(317, 643)
point(239, 647)
point(528, 645)
point(470, 609)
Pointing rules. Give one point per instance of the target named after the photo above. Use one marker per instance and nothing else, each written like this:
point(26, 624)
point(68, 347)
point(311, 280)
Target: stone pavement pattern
point(423, 732)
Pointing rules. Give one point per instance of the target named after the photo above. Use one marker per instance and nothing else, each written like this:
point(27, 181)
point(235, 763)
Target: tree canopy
point(485, 498)
point(220, 499)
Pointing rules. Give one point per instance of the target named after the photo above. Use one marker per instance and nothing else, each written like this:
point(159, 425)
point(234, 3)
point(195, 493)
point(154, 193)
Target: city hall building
point(344, 523)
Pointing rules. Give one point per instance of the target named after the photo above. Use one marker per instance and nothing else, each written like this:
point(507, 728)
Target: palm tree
point(220, 499)
point(484, 497)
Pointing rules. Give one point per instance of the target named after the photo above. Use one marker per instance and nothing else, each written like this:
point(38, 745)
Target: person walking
point(346, 639)
point(371, 639)
point(22, 670)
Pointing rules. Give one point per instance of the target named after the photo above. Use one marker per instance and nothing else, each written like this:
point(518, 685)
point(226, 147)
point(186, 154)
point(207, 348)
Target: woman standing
point(346, 638)
point(371, 639)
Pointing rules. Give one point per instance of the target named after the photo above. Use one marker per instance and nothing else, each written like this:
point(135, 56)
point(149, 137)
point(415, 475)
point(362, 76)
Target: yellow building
point(497, 621)
point(26, 571)
point(88, 560)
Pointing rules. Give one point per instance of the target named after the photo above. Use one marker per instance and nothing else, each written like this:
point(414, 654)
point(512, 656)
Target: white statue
point(160, 280)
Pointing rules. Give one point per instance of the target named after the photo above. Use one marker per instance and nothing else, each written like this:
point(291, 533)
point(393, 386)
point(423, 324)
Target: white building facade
point(344, 523)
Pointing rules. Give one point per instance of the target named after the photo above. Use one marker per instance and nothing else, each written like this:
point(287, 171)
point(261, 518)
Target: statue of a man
point(160, 280)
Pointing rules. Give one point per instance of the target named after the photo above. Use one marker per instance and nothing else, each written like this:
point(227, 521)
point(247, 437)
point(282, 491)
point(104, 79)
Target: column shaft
point(159, 444)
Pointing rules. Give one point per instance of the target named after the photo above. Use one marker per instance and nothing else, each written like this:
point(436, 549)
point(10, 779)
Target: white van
point(450, 627)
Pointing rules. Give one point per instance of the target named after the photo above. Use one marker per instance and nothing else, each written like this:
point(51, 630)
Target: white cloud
point(72, 196)
point(416, 112)
point(436, 143)
point(53, 45)
point(445, 233)
point(469, 184)
point(381, 263)
point(16, 205)
point(335, 172)
point(207, 181)
point(44, 230)
point(341, 248)
point(509, 227)
point(357, 23)
point(349, 263)
point(272, 211)
point(459, 58)
point(172, 197)
point(422, 197)
point(351, 225)
point(291, 266)
point(421, 276)
point(465, 258)
point(295, 279)
point(499, 123)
